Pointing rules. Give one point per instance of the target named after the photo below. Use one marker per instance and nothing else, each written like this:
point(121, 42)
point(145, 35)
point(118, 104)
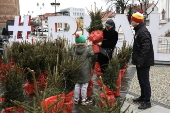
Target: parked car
point(45, 30)
point(59, 29)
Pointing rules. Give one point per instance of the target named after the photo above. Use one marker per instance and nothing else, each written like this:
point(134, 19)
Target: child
point(83, 51)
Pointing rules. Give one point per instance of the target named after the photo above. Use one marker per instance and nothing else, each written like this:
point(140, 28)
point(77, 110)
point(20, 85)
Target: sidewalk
point(159, 76)
point(134, 107)
point(160, 99)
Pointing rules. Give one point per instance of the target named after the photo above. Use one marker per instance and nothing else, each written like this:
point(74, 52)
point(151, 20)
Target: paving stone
point(160, 85)
point(156, 109)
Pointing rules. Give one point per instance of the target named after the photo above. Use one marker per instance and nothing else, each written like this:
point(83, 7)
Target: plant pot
point(99, 83)
point(69, 96)
point(69, 106)
point(2, 100)
point(89, 91)
point(13, 110)
point(122, 73)
point(51, 100)
point(29, 88)
point(118, 83)
point(98, 69)
point(43, 79)
point(110, 96)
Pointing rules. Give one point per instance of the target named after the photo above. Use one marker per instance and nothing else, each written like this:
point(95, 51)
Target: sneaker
point(138, 99)
point(76, 101)
point(89, 102)
point(83, 102)
point(144, 105)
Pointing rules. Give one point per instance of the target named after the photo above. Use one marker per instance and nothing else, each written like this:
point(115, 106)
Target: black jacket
point(4, 32)
point(110, 38)
point(109, 41)
point(142, 55)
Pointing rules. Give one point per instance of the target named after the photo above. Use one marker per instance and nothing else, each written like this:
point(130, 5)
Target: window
point(59, 25)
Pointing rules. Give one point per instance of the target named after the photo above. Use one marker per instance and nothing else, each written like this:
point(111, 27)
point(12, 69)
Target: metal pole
point(55, 7)
point(168, 10)
point(167, 46)
point(145, 11)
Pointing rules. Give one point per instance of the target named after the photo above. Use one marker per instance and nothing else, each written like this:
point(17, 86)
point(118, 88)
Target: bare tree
point(144, 4)
point(120, 5)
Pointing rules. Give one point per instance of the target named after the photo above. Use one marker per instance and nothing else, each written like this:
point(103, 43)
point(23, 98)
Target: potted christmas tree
point(14, 91)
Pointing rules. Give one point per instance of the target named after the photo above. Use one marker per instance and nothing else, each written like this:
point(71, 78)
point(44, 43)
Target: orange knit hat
point(137, 17)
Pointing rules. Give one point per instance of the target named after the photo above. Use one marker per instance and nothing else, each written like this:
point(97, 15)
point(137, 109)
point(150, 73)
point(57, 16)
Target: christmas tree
point(96, 20)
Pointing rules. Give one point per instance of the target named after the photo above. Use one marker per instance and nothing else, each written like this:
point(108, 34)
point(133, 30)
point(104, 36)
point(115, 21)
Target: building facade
point(74, 12)
point(164, 9)
point(8, 10)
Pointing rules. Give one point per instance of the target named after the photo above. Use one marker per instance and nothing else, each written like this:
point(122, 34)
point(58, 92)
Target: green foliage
point(124, 55)
point(13, 87)
point(115, 109)
point(47, 56)
point(96, 20)
point(107, 107)
point(36, 107)
point(111, 74)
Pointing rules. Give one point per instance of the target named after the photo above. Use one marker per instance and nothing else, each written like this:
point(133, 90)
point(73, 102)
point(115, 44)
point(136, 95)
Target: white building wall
point(75, 12)
point(163, 4)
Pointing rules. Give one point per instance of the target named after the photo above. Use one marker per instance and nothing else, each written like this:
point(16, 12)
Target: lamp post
point(41, 16)
point(30, 13)
point(55, 4)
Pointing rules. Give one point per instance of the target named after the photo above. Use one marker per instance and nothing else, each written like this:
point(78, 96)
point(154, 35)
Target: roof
point(49, 14)
point(108, 14)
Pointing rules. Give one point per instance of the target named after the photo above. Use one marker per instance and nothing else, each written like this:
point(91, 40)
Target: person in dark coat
point(109, 43)
point(143, 58)
point(5, 34)
point(82, 51)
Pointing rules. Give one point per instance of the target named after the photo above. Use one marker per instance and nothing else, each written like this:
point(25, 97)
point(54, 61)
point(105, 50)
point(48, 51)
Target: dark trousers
point(103, 61)
point(143, 78)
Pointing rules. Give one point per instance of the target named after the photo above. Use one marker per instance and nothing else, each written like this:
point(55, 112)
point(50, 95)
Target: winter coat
point(4, 32)
point(83, 52)
point(142, 54)
point(109, 41)
point(110, 38)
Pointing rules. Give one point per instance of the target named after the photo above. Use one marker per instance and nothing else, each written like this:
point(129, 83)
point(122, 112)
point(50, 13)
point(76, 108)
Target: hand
point(90, 43)
point(99, 44)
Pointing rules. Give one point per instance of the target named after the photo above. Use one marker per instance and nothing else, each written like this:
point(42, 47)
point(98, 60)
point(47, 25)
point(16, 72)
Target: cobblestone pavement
point(160, 84)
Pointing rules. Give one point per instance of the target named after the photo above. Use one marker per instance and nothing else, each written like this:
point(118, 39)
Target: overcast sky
point(31, 5)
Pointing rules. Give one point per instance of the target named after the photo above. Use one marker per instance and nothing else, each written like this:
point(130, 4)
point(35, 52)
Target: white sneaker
point(83, 102)
point(89, 102)
point(76, 101)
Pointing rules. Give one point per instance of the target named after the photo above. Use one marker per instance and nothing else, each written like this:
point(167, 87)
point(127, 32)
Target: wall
point(8, 9)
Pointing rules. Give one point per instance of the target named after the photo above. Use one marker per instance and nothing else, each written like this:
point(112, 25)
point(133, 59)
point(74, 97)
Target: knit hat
point(137, 17)
point(80, 39)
